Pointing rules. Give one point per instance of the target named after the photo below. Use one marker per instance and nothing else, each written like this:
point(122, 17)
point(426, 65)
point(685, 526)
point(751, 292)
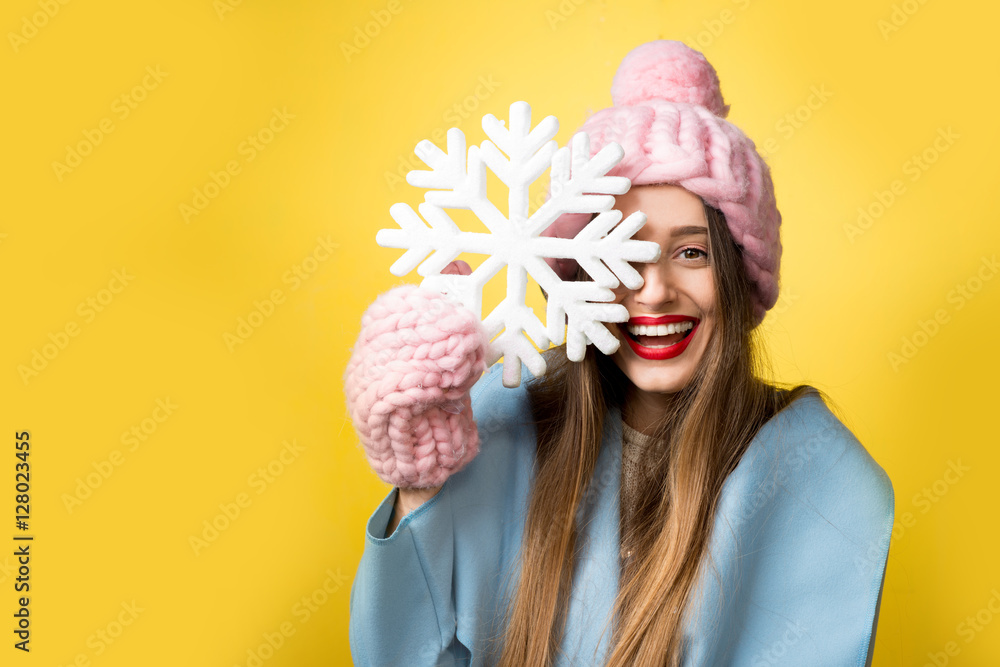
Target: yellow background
point(328, 177)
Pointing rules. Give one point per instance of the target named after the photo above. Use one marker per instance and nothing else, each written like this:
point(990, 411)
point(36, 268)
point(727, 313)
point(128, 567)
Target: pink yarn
point(669, 119)
point(408, 382)
point(667, 70)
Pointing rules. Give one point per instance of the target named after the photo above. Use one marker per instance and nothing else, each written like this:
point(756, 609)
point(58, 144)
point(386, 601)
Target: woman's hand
point(406, 501)
point(408, 383)
point(458, 267)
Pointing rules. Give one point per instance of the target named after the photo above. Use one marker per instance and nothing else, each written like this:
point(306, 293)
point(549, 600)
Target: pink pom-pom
point(668, 70)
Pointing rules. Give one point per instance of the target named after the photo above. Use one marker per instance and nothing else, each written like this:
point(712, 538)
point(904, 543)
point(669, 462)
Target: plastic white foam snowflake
point(604, 248)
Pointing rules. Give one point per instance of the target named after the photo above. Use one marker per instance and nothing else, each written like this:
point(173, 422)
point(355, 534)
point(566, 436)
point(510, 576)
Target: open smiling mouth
point(658, 338)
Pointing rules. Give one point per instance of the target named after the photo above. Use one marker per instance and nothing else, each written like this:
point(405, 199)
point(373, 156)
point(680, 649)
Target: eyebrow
point(689, 230)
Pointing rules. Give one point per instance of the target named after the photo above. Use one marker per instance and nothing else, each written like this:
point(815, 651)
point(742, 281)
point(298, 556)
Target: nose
point(658, 288)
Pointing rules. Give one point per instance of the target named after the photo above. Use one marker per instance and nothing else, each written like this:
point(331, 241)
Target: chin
point(664, 380)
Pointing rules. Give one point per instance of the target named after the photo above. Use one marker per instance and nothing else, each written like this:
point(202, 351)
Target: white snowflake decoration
point(604, 248)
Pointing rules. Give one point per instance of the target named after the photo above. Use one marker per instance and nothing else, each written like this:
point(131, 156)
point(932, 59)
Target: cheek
point(703, 292)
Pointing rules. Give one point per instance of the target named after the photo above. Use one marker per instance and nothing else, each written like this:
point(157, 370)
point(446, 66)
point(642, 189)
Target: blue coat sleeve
point(401, 600)
point(429, 593)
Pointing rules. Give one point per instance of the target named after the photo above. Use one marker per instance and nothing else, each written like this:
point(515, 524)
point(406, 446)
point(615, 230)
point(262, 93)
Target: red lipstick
point(660, 353)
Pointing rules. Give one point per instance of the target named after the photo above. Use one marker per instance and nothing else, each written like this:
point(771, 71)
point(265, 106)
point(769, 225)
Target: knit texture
point(635, 460)
point(407, 385)
point(668, 116)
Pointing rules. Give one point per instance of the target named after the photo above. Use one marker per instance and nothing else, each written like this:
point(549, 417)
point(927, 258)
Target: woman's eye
point(693, 253)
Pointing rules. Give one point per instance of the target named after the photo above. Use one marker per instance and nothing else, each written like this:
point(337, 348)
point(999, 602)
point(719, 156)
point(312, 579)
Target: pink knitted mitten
point(408, 382)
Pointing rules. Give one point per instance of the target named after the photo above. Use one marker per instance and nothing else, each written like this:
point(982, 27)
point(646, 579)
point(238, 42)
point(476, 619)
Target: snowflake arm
point(530, 154)
point(573, 174)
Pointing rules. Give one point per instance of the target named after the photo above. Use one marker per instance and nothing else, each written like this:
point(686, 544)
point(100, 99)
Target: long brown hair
point(700, 439)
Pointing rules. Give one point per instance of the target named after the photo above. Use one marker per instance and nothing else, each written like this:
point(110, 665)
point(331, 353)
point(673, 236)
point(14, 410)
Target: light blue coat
point(799, 550)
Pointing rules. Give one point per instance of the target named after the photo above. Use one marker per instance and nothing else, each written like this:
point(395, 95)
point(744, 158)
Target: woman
point(661, 506)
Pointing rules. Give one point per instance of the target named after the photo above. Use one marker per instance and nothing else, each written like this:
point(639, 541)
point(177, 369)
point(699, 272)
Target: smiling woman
point(671, 315)
point(664, 505)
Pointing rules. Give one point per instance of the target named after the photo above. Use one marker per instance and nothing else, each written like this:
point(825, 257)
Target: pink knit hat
point(668, 117)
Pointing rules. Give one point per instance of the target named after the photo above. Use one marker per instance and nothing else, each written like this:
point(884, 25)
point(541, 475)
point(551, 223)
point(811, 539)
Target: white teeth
point(659, 329)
